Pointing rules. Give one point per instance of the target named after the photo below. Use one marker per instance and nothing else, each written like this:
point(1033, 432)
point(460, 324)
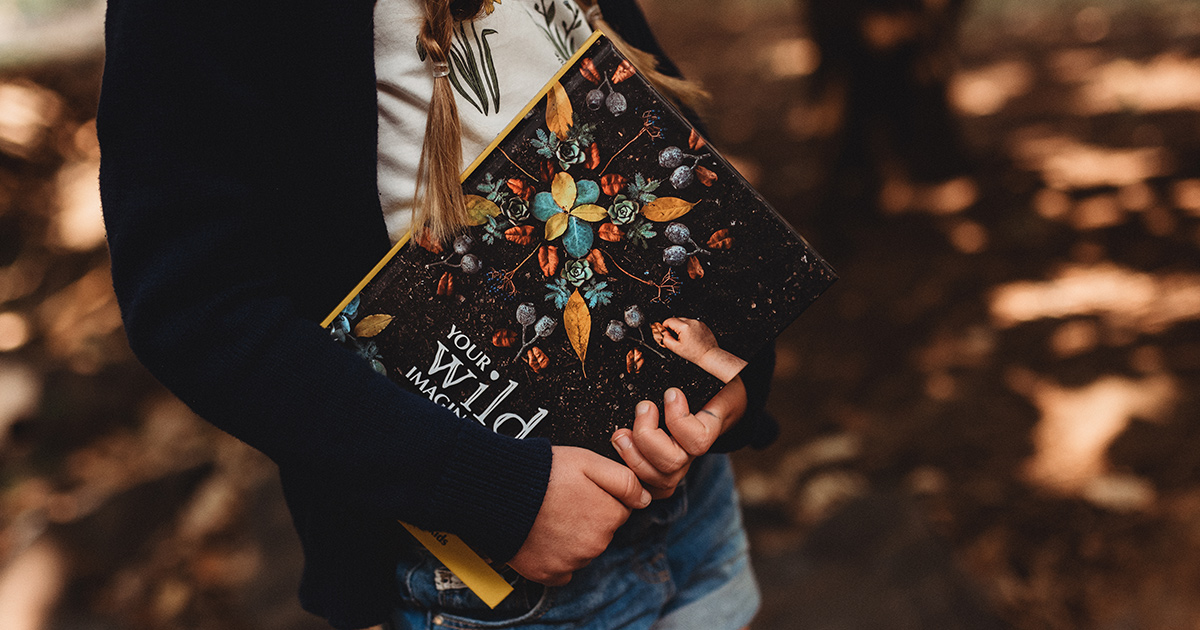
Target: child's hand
point(659, 459)
point(691, 339)
point(589, 496)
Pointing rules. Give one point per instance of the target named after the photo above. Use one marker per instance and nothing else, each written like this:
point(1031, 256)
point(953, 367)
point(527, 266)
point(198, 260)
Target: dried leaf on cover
point(557, 225)
point(445, 285)
point(634, 361)
point(504, 338)
point(479, 209)
point(695, 269)
point(611, 233)
point(546, 172)
point(612, 184)
point(564, 191)
point(521, 188)
point(559, 115)
point(590, 212)
point(427, 242)
point(667, 209)
point(593, 159)
point(548, 259)
point(596, 259)
point(577, 321)
point(657, 331)
point(520, 234)
point(372, 325)
point(720, 240)
point(589, 72)
point(706, 177)
point(695, 140)
point(623, 71)
point(537, 359)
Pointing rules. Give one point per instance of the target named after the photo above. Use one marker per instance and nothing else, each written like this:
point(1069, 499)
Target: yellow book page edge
point(470, 169)
point(449, 549)
point(481, 578)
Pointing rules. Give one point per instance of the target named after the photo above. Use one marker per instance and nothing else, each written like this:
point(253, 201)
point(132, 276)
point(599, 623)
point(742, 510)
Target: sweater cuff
point(491, 490)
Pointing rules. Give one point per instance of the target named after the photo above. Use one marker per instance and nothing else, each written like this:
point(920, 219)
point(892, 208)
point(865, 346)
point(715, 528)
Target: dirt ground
point(989, 421)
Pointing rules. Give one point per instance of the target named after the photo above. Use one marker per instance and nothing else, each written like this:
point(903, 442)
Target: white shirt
point(504, 58)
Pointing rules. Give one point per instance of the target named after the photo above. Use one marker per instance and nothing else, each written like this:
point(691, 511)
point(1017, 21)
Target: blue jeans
point(681, 563)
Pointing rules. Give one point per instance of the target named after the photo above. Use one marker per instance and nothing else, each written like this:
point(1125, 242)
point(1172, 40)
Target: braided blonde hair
point(438, 209)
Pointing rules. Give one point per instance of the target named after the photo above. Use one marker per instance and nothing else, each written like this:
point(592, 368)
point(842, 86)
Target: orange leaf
point(623, 71)
point(427, 242)
point(588, 70)
point(372, 325)
point(666, 209)
point(695, 269)
point(521, 234)
point(445, 285)
point(634, 361)
point(720, 240)
point(537, 359)
point(705, 176)
point(657, 331)
point(593, 156)
point(548, 259)
point(611, 233)
point(504, 338)
point(547, 171)
point(521, 188)
point(597, 261)
point(577, 321)
point(559, 115)
point(612, 183)
point(695, 141)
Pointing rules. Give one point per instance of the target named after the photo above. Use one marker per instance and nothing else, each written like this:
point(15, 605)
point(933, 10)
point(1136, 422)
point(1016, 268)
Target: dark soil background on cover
point(989, 421)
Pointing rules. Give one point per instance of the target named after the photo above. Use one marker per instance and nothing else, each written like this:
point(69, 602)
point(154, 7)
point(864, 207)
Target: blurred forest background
point(990, 421)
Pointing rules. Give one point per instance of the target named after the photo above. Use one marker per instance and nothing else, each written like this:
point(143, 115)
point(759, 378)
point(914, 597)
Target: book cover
point(598, 215)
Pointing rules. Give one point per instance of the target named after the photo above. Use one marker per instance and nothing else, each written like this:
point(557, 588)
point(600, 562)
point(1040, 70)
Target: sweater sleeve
point(238, 188)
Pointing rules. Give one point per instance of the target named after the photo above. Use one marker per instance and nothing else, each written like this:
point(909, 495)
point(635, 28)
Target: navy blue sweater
point(238, 182)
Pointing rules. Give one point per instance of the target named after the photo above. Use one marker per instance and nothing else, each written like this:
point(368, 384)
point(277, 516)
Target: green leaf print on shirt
point(471, 65)
point(561, 35)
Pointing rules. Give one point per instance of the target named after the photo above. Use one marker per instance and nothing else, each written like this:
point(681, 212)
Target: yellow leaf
point(667, 209)
point(563, 191)
point(372, 325)
point(590, 212)
point(559, 116)
point(557, 225)
point(479, 209)
point(577, 321)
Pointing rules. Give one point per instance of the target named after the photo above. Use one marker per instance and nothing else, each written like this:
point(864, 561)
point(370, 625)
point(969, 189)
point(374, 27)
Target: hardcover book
point(597, 216)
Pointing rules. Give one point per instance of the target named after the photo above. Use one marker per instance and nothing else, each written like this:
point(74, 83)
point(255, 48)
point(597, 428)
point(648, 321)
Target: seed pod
point(537, 359)
point(670, 157)
point(504, 338)
point(675, 255)
point(615, 330)
point(634, 361)
point(682, 177)
point(545, 326)
point(526, 313)
point(445, 285)
point(616, 103)
point(548, 259)
point(634, 317)
point(463, 244)
point(657, 331)
point(678, 233)
point(720, 240)
point(594, 99)
point(471, 263)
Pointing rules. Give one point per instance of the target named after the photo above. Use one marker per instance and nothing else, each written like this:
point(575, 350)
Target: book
point(598, 215)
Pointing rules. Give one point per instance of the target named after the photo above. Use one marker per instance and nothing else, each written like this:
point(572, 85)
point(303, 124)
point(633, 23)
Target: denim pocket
point(428, 585)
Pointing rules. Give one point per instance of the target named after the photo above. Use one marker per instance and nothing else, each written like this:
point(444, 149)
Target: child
point(250, 154)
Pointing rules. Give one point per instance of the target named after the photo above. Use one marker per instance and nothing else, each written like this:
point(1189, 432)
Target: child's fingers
point(695, 434)
point(659, 484)
point(654, 444)
point(619, 481)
